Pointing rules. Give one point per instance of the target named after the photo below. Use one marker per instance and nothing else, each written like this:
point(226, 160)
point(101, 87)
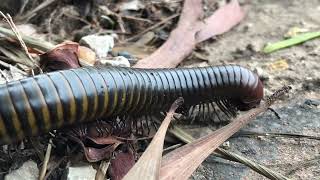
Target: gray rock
point(133, 5)
point(28, 171)
point(117, 61)
point(100, 44)
point(82, 172)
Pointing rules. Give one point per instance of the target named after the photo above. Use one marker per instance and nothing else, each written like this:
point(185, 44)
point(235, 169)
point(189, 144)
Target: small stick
point(45, 161)
point(101, 172)
point(9, 66)
point(152, 27)
point(14, 28)
point(30, 14)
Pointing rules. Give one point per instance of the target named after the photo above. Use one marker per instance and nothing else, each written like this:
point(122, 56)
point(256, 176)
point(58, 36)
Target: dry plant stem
point(148, 165)
point(18, 36)
point(152, 27)
point(272, 134)
point(55, 166)
point(177, 164)
point(30, 41)
point(9, 66)
point(185, 137)
point(101, 172)
point(45, 161)
point(30, 14)
point(190, 31)
point(256, 167)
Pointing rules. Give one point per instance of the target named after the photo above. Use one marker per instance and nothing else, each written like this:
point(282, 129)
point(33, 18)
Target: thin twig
point(172, 147)
point(41, 6)
point(24, 4)
point(263, 170)
point(45, 161)
point(30, 41)
point(272, 134)
point(14, 28)
point(135, 18)
point(9, 66)
point(101, 172)
point(152, 27)
point(76, 18)
point(56, 165)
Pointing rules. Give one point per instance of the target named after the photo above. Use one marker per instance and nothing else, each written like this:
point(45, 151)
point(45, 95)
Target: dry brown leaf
point(62, 57)
point(121, 164)
point(221, 21)
point(96, 153)
point(190, 31)
point(148, 166)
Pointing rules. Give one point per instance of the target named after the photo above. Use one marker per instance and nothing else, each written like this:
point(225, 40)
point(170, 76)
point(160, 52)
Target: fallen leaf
point(121, 164)
point(221, 21)
point(62, 57)
point(98, 154)
point(100, 147)
point(191, 30)
point(148, 165)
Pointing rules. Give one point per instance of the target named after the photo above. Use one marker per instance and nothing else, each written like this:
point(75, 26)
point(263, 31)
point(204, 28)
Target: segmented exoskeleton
point(44, 102)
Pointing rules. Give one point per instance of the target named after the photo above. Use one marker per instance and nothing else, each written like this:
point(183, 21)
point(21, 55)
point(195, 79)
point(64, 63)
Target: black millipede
point(39, 104)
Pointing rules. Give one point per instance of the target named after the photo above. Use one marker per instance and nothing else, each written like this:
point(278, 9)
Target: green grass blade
point(290, 42)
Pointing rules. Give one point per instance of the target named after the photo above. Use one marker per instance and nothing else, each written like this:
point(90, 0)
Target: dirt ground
point(268, 21)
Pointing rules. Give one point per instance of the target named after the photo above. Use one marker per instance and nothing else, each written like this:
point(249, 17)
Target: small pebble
point(101, 45)
point(81, 173)
point(28, 171)
point(117, 61)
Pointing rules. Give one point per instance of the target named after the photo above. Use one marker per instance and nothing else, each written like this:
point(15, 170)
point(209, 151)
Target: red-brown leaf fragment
point(96, 154)
point(99, 148)
point(62, 57)
point(122, 163)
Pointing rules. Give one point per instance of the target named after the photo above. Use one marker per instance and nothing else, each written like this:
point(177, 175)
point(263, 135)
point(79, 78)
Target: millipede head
point(253, 97)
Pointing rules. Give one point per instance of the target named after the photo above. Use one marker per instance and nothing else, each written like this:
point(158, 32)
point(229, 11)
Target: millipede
point(59, 99)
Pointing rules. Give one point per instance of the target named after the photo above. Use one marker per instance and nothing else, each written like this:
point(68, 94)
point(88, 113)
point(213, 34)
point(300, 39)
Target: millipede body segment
point(38, 104)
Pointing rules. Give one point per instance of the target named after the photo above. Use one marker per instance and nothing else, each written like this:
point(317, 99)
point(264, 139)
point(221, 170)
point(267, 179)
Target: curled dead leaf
point(62, 57)
point(97, 149)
